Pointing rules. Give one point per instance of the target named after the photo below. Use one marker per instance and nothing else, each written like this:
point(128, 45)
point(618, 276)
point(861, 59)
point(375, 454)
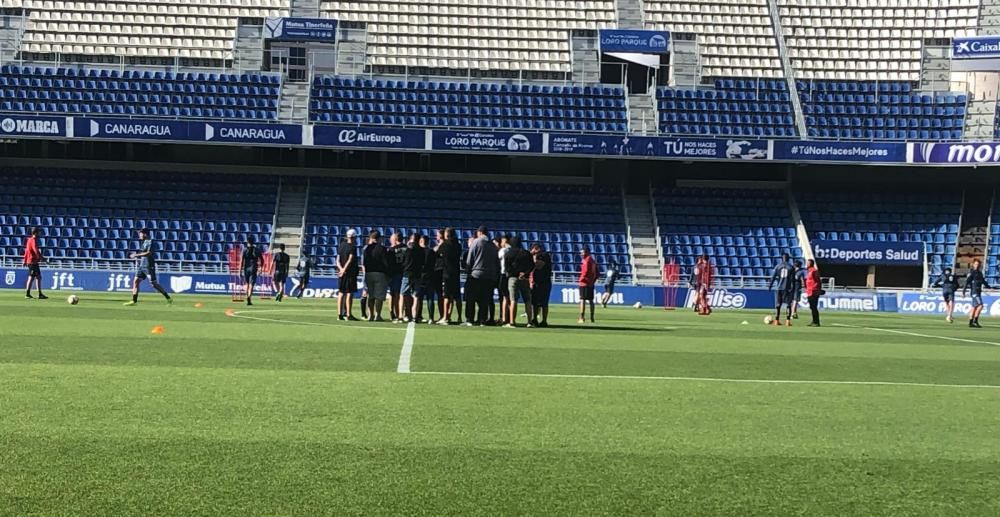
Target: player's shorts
point(977, 300)
point(797, 295)
point(34, 271)
point(145, 273)
point(409, 286)
point(280, 277)
point(451, 287)
point(250, 276)
point(540, 294)
point(348, 284)
point(395, 284)
point(377, 284)
point(609, 288)
point(586, 293)
point(502, 287)
point(948, 296)
point(519, 287)
point(782, 298)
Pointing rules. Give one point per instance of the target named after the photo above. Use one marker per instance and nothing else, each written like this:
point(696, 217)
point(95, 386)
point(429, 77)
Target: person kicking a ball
point(949, 286)
point(975, 283)
point(146, 268)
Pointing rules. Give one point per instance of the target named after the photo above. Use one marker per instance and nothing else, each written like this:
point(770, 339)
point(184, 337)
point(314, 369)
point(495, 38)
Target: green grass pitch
point(294, 413)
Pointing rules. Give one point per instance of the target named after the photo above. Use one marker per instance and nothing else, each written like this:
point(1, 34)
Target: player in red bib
point(33, 259)
point(706, 274)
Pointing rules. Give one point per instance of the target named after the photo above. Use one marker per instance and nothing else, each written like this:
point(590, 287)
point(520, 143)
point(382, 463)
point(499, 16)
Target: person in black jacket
point(427, 290)
point(450, 254)
point(949, 286)
point(975, 282)
point(413, 271)
point(541, 284)
point(376, 266)
point(519, 266)
point(397, 251)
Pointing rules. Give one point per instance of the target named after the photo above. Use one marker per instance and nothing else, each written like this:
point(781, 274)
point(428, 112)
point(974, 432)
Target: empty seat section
point(139, 93)
point(870, 40)
point(886, 216)
point(734, 107)
point(430, 36)
point(89, 218)
point(137, 29)
point(744, 231)
point(880, 110)
point(560, 217)
point(593, 108)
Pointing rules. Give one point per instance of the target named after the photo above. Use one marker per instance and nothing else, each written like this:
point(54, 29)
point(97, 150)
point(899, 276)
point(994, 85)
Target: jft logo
point(64, 282)
point(10, 278)
point(180, 284)
point(119, 282)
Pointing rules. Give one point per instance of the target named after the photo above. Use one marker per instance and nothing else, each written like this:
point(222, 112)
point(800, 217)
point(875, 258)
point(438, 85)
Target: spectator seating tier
point(470, 105)
point(89, 218)
point(743, 231)
point(887, 217)
point(885, 110)
point(737, 107)
point(140, 93)
point(562, 218)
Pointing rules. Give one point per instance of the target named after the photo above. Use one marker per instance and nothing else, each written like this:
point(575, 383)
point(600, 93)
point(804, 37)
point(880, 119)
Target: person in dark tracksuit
point(783, 285)
point(975, 283)
point(948, 283)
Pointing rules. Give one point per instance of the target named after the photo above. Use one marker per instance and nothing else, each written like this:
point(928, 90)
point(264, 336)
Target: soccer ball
point(638, 305)
point(768, 319)
point(73, 299)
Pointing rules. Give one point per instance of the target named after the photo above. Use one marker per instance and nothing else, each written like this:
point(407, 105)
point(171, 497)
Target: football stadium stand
point(472, 105)
point(745, 231)
point(562, 217)
point(90, 217)
point(992, 267)
point(198, 29)
point(869, 40)
point(530, 35)
point(887, 110)
point(738, 107)
point(736, 36)
point(887, 217)
point(136, 92)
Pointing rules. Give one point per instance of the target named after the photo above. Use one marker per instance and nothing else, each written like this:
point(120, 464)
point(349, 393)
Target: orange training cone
point(230, 312)
point(199, 305)
point(158, 330)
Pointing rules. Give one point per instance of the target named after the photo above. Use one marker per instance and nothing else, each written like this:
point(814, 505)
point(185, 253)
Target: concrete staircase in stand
point(642, 113)
point(290, 218)
point(294, 104)
point(647, 257)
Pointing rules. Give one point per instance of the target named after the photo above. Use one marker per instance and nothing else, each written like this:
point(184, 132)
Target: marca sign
point(14, 125)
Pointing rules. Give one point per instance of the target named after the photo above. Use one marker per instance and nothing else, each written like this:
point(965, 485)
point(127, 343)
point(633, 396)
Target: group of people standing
point(420, 275)
point(788, 281)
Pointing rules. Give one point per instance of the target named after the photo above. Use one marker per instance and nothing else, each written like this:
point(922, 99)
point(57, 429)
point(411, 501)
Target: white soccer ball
point(638, 305)
point(768, 319)
point(73, 299)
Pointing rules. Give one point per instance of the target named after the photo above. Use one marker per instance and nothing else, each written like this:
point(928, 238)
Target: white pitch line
point(711, 379)
point(407, 351)
point(914, 334)
point(241, 315)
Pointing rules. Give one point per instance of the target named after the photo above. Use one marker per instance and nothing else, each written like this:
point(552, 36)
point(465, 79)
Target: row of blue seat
point(713, 95)
point(712, 106)
point(83, 86)
point(141, 99)
point(751, 84)
point(148, 75)
point(889, 134)
point(884, 111)
point(726, 118)
point(434, 86)
point(161, 111)
point(885, 123)
point(454, 98)
point(468, 122)
point(465, 111)
point(747, 131)
point(916, 100)
point(855, 86)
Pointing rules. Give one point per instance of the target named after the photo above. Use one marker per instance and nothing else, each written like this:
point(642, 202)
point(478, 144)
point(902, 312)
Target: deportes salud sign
point(860, 253)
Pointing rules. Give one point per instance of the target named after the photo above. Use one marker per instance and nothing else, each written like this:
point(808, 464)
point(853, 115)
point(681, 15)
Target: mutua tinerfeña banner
point(301, 29)
point(864, 253)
